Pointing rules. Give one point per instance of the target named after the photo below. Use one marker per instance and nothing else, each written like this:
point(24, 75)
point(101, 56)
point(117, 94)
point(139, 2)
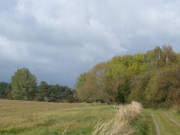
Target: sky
point(57, 40)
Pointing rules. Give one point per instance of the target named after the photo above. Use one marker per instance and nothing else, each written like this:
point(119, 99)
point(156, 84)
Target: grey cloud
point(57, 40)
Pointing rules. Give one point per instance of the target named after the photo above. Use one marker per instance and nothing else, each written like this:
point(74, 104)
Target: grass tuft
point(122, 122)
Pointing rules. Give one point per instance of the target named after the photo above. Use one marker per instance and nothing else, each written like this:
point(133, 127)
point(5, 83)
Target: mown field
point(40, 118)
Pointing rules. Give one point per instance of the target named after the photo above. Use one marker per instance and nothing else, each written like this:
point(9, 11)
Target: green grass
point(27, 117)
point(144, 125)
point(166, 126)
point(40, 118)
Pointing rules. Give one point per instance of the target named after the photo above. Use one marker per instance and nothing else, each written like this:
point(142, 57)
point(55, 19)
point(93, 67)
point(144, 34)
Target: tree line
point(150, 78)
point(24, 86)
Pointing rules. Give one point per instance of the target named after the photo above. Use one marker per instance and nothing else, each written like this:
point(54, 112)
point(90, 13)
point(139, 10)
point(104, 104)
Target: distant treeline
point(150, 78)
point(24, 86)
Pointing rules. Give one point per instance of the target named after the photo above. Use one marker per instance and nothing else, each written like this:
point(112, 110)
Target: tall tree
point(138, 86)
point(23, 84)
point(169, 55)
point(152, 77)
point(43, 91)
point(80, 80)
point(92, 88)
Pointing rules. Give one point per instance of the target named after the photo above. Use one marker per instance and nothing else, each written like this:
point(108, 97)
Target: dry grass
point(121, 124)
point(29, 117)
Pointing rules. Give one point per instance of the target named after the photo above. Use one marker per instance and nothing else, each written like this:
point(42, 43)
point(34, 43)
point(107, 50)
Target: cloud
point(57, 40)
point(12, 50)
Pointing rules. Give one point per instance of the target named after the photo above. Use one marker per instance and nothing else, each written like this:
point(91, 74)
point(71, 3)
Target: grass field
point(40, 118)
point(168, 121)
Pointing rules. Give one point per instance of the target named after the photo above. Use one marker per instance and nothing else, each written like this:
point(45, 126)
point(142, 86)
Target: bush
point(70, 99)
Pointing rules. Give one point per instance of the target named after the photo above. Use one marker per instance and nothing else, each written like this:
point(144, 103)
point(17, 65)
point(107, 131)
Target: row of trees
point(23, 86)
point(152, 77)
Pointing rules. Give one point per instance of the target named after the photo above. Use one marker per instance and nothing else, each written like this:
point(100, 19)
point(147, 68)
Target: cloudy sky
point(59, 39)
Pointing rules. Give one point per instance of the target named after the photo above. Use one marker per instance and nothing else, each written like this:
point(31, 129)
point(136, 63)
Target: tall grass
point(44, 118)
point(121, 124)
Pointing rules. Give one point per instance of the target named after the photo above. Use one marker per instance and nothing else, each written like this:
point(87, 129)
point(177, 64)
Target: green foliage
point(54, 93)
point(164, 85)
point(5, 89)
point(115, 75)
point(70, 99)
point(152, 77)
point(138, 86)
point(80, 80)
point(141, 128)
point(123, 92)
point(144, 124)
point(42, 91)
point(23, 84)
point(24, 88)
point(92, 88)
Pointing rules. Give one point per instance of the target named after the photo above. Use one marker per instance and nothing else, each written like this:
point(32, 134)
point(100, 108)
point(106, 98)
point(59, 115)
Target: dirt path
point(165, 122)
point(155, 122)
point(172, 120)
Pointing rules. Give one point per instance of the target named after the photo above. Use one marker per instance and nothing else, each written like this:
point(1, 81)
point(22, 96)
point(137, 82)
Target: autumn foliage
point(152, 77)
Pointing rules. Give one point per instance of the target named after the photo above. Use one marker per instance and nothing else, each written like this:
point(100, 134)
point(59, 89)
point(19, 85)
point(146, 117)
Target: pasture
point(41, 118)
point(44, 118)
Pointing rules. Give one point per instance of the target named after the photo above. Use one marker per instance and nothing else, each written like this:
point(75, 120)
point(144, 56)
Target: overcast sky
point(59, 39)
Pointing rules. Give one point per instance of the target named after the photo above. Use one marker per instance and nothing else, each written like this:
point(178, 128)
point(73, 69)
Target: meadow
point(40, 118)
point(44, 118)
